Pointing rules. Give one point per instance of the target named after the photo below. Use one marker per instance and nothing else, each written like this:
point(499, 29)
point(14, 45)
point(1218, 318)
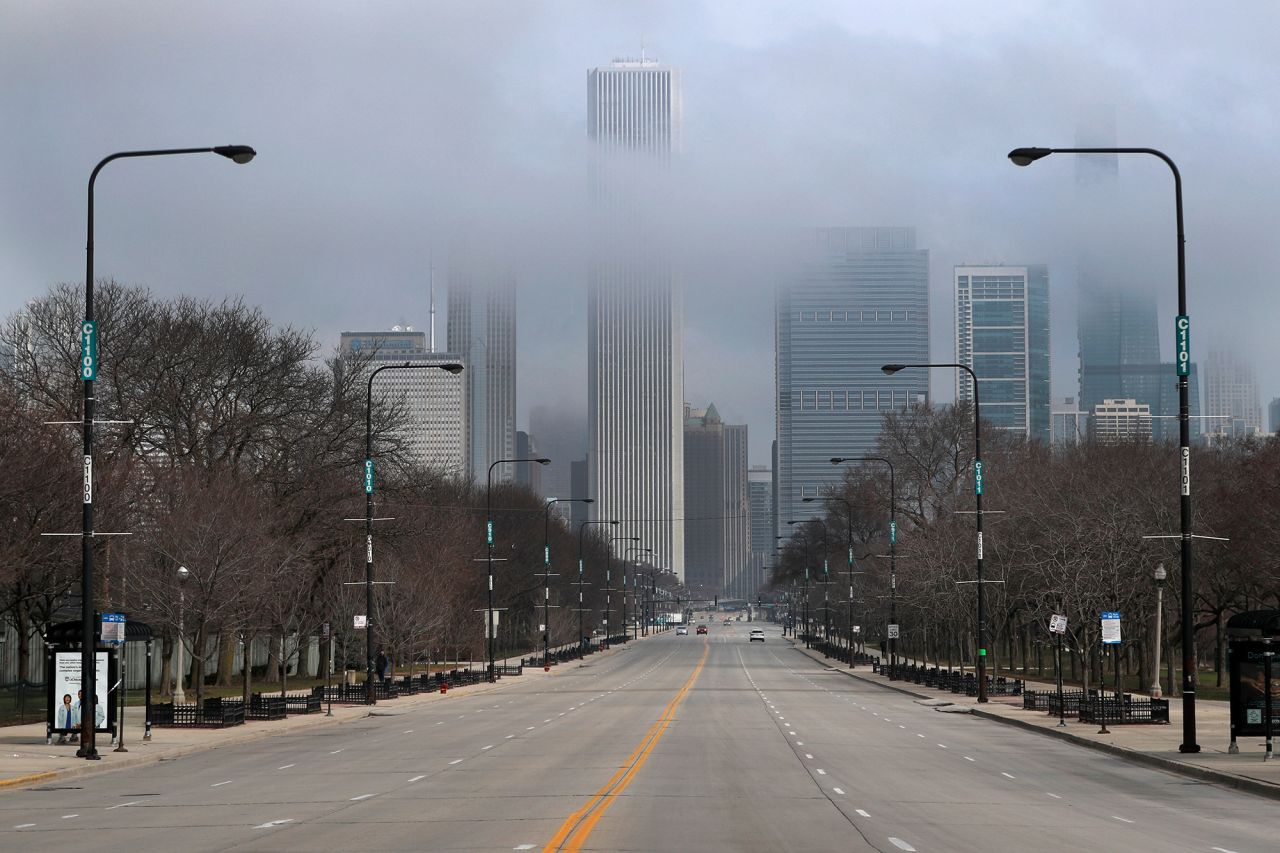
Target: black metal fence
point(215, 712)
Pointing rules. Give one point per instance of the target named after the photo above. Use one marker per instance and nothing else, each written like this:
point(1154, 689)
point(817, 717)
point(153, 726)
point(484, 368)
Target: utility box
point(1250, 636)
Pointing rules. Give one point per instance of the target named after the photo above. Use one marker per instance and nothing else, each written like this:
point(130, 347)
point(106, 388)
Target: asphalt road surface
point(676, 743)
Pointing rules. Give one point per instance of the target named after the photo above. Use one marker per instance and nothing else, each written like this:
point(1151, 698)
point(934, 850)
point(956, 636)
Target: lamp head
point(588, 500)
point(1027, 156)
point(183, 573)
point(837, 460)
point(455, 369)
point(615, 523)
point(807, 500)
point(890, 369)
point(236, 153)
point(1160, 573)
point(543, 461)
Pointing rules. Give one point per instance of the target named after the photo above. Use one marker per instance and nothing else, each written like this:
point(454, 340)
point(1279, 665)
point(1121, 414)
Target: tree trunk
point(197, 664)
point(1220, 647)
point(226, 658)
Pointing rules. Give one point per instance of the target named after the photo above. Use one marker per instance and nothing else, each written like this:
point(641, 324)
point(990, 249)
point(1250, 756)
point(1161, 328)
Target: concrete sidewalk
point(25, 758)
point(1154, 745)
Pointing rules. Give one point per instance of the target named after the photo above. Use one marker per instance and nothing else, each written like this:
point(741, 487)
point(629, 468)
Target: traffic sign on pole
point(361, 621)
point(1057, 624)
point(88, 350)
point(113, 629)
point(893, 632)
point(1111, 628)
point(1182, 344)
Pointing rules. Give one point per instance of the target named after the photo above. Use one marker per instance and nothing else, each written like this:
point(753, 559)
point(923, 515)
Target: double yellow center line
point(574, 832)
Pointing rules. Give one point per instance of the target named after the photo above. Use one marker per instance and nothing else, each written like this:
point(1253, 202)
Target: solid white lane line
point(418, 778)
point(122, 805)
point(838, 791)
point(900, 844)
point(1123, 819)
point(1055, 796)
point(1010, 775)
point(286, 766)
point(361, 797)
point(272, 824)
point(456, 761)
point(220, 784)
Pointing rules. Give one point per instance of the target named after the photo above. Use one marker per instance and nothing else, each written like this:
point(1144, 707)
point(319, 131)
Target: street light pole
point(635, 580)
point(848, 541)
point(581, 602)
point(88, 373)
point(179, 695)
point(608, 587)
point(1159, 576)
point(546, 571)
point(889, 370)
point(1182, 363)
point(893, 551)
point(488, 534)
point(370, 689)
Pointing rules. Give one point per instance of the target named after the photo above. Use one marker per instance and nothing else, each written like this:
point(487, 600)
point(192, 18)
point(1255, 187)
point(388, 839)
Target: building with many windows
point(859, 300)
point(1232, 401)
point(760, 498)
point(482, 328)
point(635, 314)
point(717, 524)
point(432, 402)
point(1273, 415)
point(1070, 425)
point(1120, 421)
point(1002, 334)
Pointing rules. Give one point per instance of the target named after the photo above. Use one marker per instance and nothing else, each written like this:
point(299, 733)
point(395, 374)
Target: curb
point(1194, 771)
point(855, 674)
point(92, 768)
point(1204, 774)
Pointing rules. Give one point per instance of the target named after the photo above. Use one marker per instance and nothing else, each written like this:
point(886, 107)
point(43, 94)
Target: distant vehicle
point(757, 634)
point(682, 629)
point(702, 629)
point(728, 621)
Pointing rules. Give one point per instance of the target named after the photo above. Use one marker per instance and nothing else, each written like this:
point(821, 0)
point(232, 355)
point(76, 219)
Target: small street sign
point(1182, 344)
point(368, 476)
point(893, 632)
point(1111, 628)
point(488, 532)
point(497, 615)
point(88, 350)
point(977, 478)
point(361, 621)
point(324, 630)
point(893, 532)
point(857, 629)
point(1057, 624)
point(113, 628)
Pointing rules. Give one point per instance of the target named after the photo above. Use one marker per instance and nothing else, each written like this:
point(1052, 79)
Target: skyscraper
point(635, 349)
point(1002, 333)
point(736, 512)
point(717, 509)
point(433, 401)
point(1273, 415)
point(528, 474)
point(859, 301)
point(1232, 401)
point(760, 497)
point(482, 329)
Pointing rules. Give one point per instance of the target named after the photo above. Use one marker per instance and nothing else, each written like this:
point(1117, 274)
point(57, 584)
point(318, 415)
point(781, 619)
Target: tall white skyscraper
point(1233, 403)
point(482, 329)
point(433, 402)
point(635, 323)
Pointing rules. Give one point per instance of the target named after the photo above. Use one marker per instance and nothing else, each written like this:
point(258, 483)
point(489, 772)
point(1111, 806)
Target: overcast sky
point(385, 128)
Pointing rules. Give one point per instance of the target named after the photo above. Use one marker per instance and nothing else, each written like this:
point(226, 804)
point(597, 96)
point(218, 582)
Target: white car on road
point(757, 634)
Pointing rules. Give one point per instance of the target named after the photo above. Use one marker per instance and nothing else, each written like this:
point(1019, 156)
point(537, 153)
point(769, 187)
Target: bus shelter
point(62, 679)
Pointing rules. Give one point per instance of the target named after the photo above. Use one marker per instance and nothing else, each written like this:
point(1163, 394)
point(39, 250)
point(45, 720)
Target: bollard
point(444, 687)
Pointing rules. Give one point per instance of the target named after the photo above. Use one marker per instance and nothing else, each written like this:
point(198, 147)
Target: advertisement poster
point(67, 696)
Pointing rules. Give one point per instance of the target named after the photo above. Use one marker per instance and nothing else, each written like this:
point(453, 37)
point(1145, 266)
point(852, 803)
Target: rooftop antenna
point(432, 288)
point(642, 48)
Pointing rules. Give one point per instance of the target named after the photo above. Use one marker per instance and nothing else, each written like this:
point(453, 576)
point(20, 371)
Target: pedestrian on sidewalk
point(382, 664)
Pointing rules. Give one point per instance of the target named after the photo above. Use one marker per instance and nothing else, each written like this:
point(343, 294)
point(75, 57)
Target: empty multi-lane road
point(673, 743)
